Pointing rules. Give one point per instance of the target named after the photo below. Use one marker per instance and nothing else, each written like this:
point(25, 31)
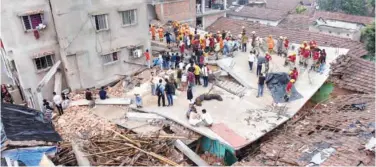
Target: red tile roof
point(258, 13)
point(343, 17)
point(353, 73)
point(334, 124)
point(296, 36)
point(296, 21)
point(285, 5)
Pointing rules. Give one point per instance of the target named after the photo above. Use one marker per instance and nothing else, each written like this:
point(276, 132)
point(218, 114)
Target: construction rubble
point(339, 132)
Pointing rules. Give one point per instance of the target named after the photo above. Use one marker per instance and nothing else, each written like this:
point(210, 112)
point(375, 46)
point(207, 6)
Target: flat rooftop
point(241, 121)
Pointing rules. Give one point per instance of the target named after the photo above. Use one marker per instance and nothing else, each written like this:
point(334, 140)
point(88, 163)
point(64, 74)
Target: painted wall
point(210, 19)
point(265, 22)
point(21, 46)
point(339, 32)
point(82, 47)
point(179, 10)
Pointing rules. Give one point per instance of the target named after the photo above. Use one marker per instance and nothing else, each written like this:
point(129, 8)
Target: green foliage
point(300, 9)
point(354, 7)
point(369, 35)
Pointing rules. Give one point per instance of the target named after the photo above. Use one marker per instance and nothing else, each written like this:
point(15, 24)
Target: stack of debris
point(118, 149)
point(338, 133)
point(212, 159)
point(65, 155)
point(79, 122)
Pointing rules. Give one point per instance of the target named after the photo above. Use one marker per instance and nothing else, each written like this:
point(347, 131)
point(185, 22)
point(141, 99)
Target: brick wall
point(210, 19)
point(184, 10)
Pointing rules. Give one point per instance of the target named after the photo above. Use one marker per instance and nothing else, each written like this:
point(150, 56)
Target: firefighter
point(286, 46)
point(305, 57)
point(291, 60)
point(270, 42)
point(316, 56)
point(289, 90)
point(301, 51)
point(294, 74)
point(152, 30)
point(160, 33)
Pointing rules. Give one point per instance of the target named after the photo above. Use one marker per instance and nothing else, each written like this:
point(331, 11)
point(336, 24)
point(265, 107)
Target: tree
point(354, 7)
point(369, 36)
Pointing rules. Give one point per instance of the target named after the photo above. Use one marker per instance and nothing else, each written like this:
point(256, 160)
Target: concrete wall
point(265, 22)
point(210, 19)
point(179, 10)
point(21, 46)
point(339, 32)
point(83, 46)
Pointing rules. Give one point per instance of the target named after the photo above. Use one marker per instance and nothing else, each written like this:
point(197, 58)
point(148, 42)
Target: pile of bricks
point(336, 124)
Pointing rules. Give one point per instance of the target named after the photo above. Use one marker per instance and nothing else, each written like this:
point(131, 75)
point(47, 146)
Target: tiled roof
point(296, 21)
point(343, 17)
point(353, 73)
point(295, 36)
point(334, 124)
point(259, 13)
point(285, 5)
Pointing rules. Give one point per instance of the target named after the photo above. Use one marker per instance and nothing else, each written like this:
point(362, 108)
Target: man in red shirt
point(306, 56)
point(294, 74)
point(291, 60)
point(147, 57)
point(316, 56)
point(289, 90)
point(286, 45)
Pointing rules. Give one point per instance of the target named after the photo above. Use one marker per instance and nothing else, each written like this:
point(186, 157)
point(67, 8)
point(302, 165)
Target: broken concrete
point(81, 159)
point(111, 101)
point(137, 116)
point(189, 153)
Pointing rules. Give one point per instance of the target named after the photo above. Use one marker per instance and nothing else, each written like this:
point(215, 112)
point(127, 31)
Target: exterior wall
point(210, 19)
point(82, 47)
point(265, 22)
point(21, 46)
point(179, 10)
point(339, 32)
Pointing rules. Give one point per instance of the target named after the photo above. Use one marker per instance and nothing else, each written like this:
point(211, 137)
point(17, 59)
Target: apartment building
point(96, 41)
point(200, 13)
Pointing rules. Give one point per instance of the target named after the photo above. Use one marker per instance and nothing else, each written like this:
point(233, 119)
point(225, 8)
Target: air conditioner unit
point(137, 53)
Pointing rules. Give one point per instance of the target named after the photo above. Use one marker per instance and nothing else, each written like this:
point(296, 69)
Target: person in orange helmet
point(291, 60)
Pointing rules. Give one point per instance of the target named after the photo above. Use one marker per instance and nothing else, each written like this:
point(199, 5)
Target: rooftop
point(354, 74)
point(258, 13)
point(296, 21)
point(23, 124)
point(343, 17)
point(356, 48)
point(284, 5)
point(334, 125)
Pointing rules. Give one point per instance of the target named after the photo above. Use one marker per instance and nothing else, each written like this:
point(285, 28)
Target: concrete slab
point(249, 117)
point(140, 127)
point(109, 112)
point(111, 101)
point(137, 116)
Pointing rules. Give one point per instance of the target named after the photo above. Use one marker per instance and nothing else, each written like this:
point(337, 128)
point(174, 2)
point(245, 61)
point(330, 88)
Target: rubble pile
point(212, 159)
point(335, 134)
point(65, 155)
point(120, 149)
point(117, 90)
point(79, 122)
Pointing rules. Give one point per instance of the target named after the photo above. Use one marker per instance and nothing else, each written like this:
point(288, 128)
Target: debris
point(143, 116)
point(189, 153)
point(203, 97)
point(322, 156)
point(212, 159)
point(65, 155)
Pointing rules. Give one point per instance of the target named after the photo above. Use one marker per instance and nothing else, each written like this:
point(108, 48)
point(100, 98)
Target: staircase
point(232, 87)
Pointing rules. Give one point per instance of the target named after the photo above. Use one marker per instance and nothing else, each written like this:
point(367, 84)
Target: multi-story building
point(201, 13)
point(95, 41)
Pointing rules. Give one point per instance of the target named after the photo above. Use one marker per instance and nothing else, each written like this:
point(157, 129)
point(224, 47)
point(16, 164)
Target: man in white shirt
point(194, 118)
point(251, 58)
point(207, 120)
point(181, 65)
point(205, 74)
point(58, 100)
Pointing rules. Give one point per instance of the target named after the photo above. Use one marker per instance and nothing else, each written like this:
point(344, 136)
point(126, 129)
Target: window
point(129, 17)
point(136, 52)
point(44, 62)
point(30, 22)
point(101, 22)
point(108, 58)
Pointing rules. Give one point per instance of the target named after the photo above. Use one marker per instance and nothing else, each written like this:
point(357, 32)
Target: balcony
point(215, 6)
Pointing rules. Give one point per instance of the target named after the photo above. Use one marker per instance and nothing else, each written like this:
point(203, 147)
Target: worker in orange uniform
point(289, 90)
point(152, 30)
point(270, 42)
point(160, 33)
point(268, 58)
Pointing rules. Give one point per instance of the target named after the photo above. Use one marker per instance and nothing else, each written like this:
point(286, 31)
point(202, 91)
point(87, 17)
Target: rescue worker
point(268, 58)
point(289, 90)
point(303, 46)
point(270, 42)
point(286, 45)
point(291, 60)
point(152, 30)
point(161, 34)
point(294, 74)
point(316, 56)
point(253, 39)
point(305, 57)
point(244, 42)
